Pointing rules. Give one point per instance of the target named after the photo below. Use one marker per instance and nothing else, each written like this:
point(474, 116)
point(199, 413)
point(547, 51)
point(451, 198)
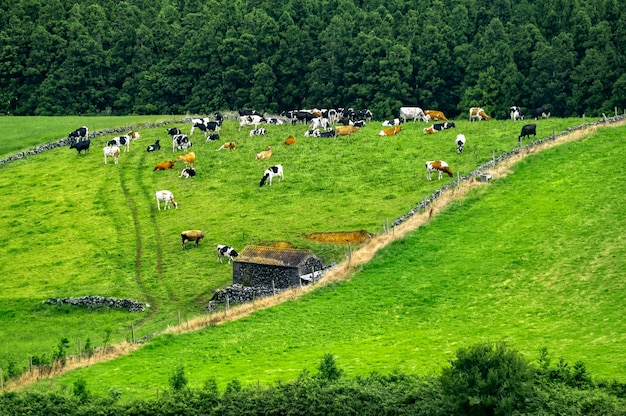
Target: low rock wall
point(99, 302)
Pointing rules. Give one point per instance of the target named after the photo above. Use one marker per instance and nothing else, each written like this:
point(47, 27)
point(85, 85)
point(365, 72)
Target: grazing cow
point(365, 115)
point(276, 170)
point(346, 121)
point(258, 132)
point(173, 131)
point(192, 235)
point(460, 143)
point(134, 135)
point(541, 112)
point(213, 137)
point(81, 145)
point(79, 134)
point(275, 121)
point(167, 198)
point(310, 133)
point(206, 127)
point(527, 130)
point(391, 123)
point(188, 159)
point(266, 154)
point(435, 115)
point(320, 122)
point(154, 147)
point(437, 166)
point(303, 116)
point(430, 130)
point(188, 172)
point(226, 251)
point(444, 126)
point(228, 145)
point(290, 140)
point(169, 164)
point(324, 134)
point(180, 142)
point(516, 113)
point(477, 113)
point(359, 123)
point(390, 131)
point(346, 130)
point(219, 117)
point(111, 151)
point(120, 141)
point(254, 120)
point(412, 113)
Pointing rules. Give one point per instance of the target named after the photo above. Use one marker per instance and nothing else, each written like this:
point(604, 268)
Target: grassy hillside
point(536, 259)
point(24, 133)
point(72, 226)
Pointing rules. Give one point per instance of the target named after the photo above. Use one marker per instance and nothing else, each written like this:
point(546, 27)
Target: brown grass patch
point(341, 237)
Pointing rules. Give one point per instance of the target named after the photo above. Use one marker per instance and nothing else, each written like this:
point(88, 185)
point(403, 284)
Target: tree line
point(484, 379)
point(66, 57)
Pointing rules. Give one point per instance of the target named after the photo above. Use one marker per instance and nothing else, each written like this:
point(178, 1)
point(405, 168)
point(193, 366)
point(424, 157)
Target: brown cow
point(165, 165)
point(435, 115)
point(477, 113)
point(346, 130)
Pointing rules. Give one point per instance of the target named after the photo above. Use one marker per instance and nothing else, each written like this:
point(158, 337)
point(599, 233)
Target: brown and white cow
point(435, 115)
point(477, 113)
point(437, 166)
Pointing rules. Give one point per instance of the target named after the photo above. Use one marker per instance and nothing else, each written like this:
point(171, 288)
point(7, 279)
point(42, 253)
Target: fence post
point(349, 254)
point(493, 157)
point(178, 318)
point(227, 302)
point(79, 350)
point(30, 364)
point(273, 288)
point(1, 381)
point(132, 331)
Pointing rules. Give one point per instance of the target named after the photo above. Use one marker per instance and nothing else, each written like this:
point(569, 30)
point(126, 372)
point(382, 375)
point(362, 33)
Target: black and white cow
point(188, 172)
point(253, 120)
point(276, 170)
point(444, 126)
point(275, 121)
point(213, 137)
point(206, 127)
point(226, 251)
point(320, 122)
point(516, 113)
point(392, 123)
point(527, 130)
point(258, 132)
point(121, 142)
point(154, 147)
point(541, 112)
point(180, 142)
point(81, 145)
point(324, 134)
point(173, 131)
point(79, 134)
point(460, 143)
point(246, 112)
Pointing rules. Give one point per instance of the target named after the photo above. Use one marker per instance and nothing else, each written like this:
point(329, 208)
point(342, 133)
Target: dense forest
point(65, 57)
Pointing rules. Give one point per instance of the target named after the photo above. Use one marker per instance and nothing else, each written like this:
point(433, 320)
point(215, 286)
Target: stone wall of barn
point(311, 265)
point(251, 274)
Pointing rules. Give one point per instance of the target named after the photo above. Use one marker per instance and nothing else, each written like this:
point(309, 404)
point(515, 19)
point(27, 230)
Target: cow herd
point(320, 123)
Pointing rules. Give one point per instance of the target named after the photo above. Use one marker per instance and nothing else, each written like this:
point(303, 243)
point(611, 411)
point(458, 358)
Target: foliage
point(103, 58)
point(328, 369)
point(178, 380)
point(374, 394)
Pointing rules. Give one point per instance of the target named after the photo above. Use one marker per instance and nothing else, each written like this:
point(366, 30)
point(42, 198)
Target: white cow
point(413, 113)
point(167, 197)
point(253, 120)
point(111, 151)
point(276, 170)
point(460, 143)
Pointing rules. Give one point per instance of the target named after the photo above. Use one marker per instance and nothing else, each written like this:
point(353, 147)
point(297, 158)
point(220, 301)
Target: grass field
point(87, 228)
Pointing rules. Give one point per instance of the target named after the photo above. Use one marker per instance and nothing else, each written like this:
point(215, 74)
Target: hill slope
point(536, 259)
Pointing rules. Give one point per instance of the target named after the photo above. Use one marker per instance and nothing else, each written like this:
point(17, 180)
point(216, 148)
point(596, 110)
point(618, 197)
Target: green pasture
point(72, 226)
point(24, 133)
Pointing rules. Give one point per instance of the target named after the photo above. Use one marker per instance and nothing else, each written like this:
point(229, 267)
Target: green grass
point(24, 133)
point(72, 226)
point(536, 259)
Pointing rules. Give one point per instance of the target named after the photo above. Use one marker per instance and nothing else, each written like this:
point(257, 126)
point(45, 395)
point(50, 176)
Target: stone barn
point(260, 265)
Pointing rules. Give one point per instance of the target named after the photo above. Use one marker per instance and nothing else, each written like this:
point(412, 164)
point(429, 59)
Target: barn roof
point(273, 256)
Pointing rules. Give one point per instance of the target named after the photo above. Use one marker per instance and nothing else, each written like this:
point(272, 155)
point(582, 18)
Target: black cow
point(444, 126)
point(173, 131)
point(81, 145)
point(527, 130)
point(213, 137)
point(80, 133)
point(324, 134)
point(154, 147)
